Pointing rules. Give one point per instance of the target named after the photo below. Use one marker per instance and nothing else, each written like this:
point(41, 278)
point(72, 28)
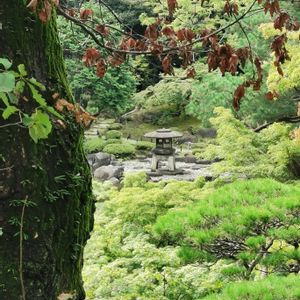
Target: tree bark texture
point(52, 174)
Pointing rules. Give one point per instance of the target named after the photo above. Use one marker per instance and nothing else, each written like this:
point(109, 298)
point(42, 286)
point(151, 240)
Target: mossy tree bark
point(53, 175)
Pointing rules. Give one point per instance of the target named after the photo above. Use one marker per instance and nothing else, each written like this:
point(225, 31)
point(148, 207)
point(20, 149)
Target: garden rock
point(107, 172)
point(115, 182)
point(101, 159)
point(190, 159)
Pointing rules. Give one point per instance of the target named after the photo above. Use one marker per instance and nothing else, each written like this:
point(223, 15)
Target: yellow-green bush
point(120, 150)
point(113, 134)
point(115, 126)
point(93, 145)
point(243, 151)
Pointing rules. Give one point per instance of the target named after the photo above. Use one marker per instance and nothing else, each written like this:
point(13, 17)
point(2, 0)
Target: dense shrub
point(93, 145)
point(273, 288)
point(135, 179)
point(112, 141)
point(144, 145)
point(239, 221)
point(115, 126)
point(264, 154)
point(120, 150)
point(113, 134)
point(193, 224)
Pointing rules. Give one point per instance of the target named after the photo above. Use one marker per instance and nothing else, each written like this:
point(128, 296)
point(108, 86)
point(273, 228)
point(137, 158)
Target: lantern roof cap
point(163, 133)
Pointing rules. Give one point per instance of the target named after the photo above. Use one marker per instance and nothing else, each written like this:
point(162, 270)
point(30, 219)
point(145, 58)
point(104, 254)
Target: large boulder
point(107, 172)
point(101, 159)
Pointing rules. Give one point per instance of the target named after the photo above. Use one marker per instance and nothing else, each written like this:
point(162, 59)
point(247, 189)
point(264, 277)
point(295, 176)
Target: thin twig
point(11, 124)
point(249, 44)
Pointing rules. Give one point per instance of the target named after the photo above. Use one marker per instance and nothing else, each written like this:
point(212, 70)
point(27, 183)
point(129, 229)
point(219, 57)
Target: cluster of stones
point(105, 167)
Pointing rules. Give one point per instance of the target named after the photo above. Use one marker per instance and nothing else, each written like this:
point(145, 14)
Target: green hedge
point(115, 126)
point(113, 134)
point(93, 145)
point(120, 150)
point(112, 141)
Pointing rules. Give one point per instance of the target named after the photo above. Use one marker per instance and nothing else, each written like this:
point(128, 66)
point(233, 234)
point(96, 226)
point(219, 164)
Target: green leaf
point(19, 88)
point(5, 63)
point(37, 84)
point(4, 98)
point(27, 120)
point(51, 110)
point(7, 82)
point(41, 126)
point(37, 96)
point(12, 98)
point(8, 111)
point(22, 70)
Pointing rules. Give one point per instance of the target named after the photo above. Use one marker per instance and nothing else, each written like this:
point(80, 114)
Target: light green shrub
point(113, 134)
point(120, 150)
point(112, 141)
point(135, 179)
point(263, 154)
point(236, 222)
point(273, 288)
point(93, 145)
point(115, 126)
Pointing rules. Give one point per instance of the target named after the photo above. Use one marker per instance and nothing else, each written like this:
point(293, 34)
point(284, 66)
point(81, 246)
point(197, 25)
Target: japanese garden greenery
point(232, 235)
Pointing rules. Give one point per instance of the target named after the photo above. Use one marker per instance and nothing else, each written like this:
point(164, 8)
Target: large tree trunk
point(52, 174)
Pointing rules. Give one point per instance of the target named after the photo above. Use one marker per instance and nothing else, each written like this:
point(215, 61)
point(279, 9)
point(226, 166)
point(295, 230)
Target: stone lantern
point(164, 147)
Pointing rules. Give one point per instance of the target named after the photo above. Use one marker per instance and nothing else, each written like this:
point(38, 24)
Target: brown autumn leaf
point(103, 30)
point(45, 12)
point(231, 8)
point(101, 68)
point(140, 45)
point(151, 32)
point(191, 73)
point(233, 63)
point(185, 34)
point(238, 95)
point(60, 104)
point(55, 96)
point(156, 48)
point(91, 57)
point(167, 66)
point(116, 59)
point(85, 14)
point(280, 71)
point(168, 31)
point(172, 5)
point(187, 56)
point(71, 12)
point(243, 54)
point(269, 96)
point(212, 61)
point(281, 20)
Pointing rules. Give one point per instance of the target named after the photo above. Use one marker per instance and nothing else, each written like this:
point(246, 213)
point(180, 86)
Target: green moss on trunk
point(53, 175)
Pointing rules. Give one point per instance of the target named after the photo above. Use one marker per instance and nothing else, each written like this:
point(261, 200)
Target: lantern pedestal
point(157, 157)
